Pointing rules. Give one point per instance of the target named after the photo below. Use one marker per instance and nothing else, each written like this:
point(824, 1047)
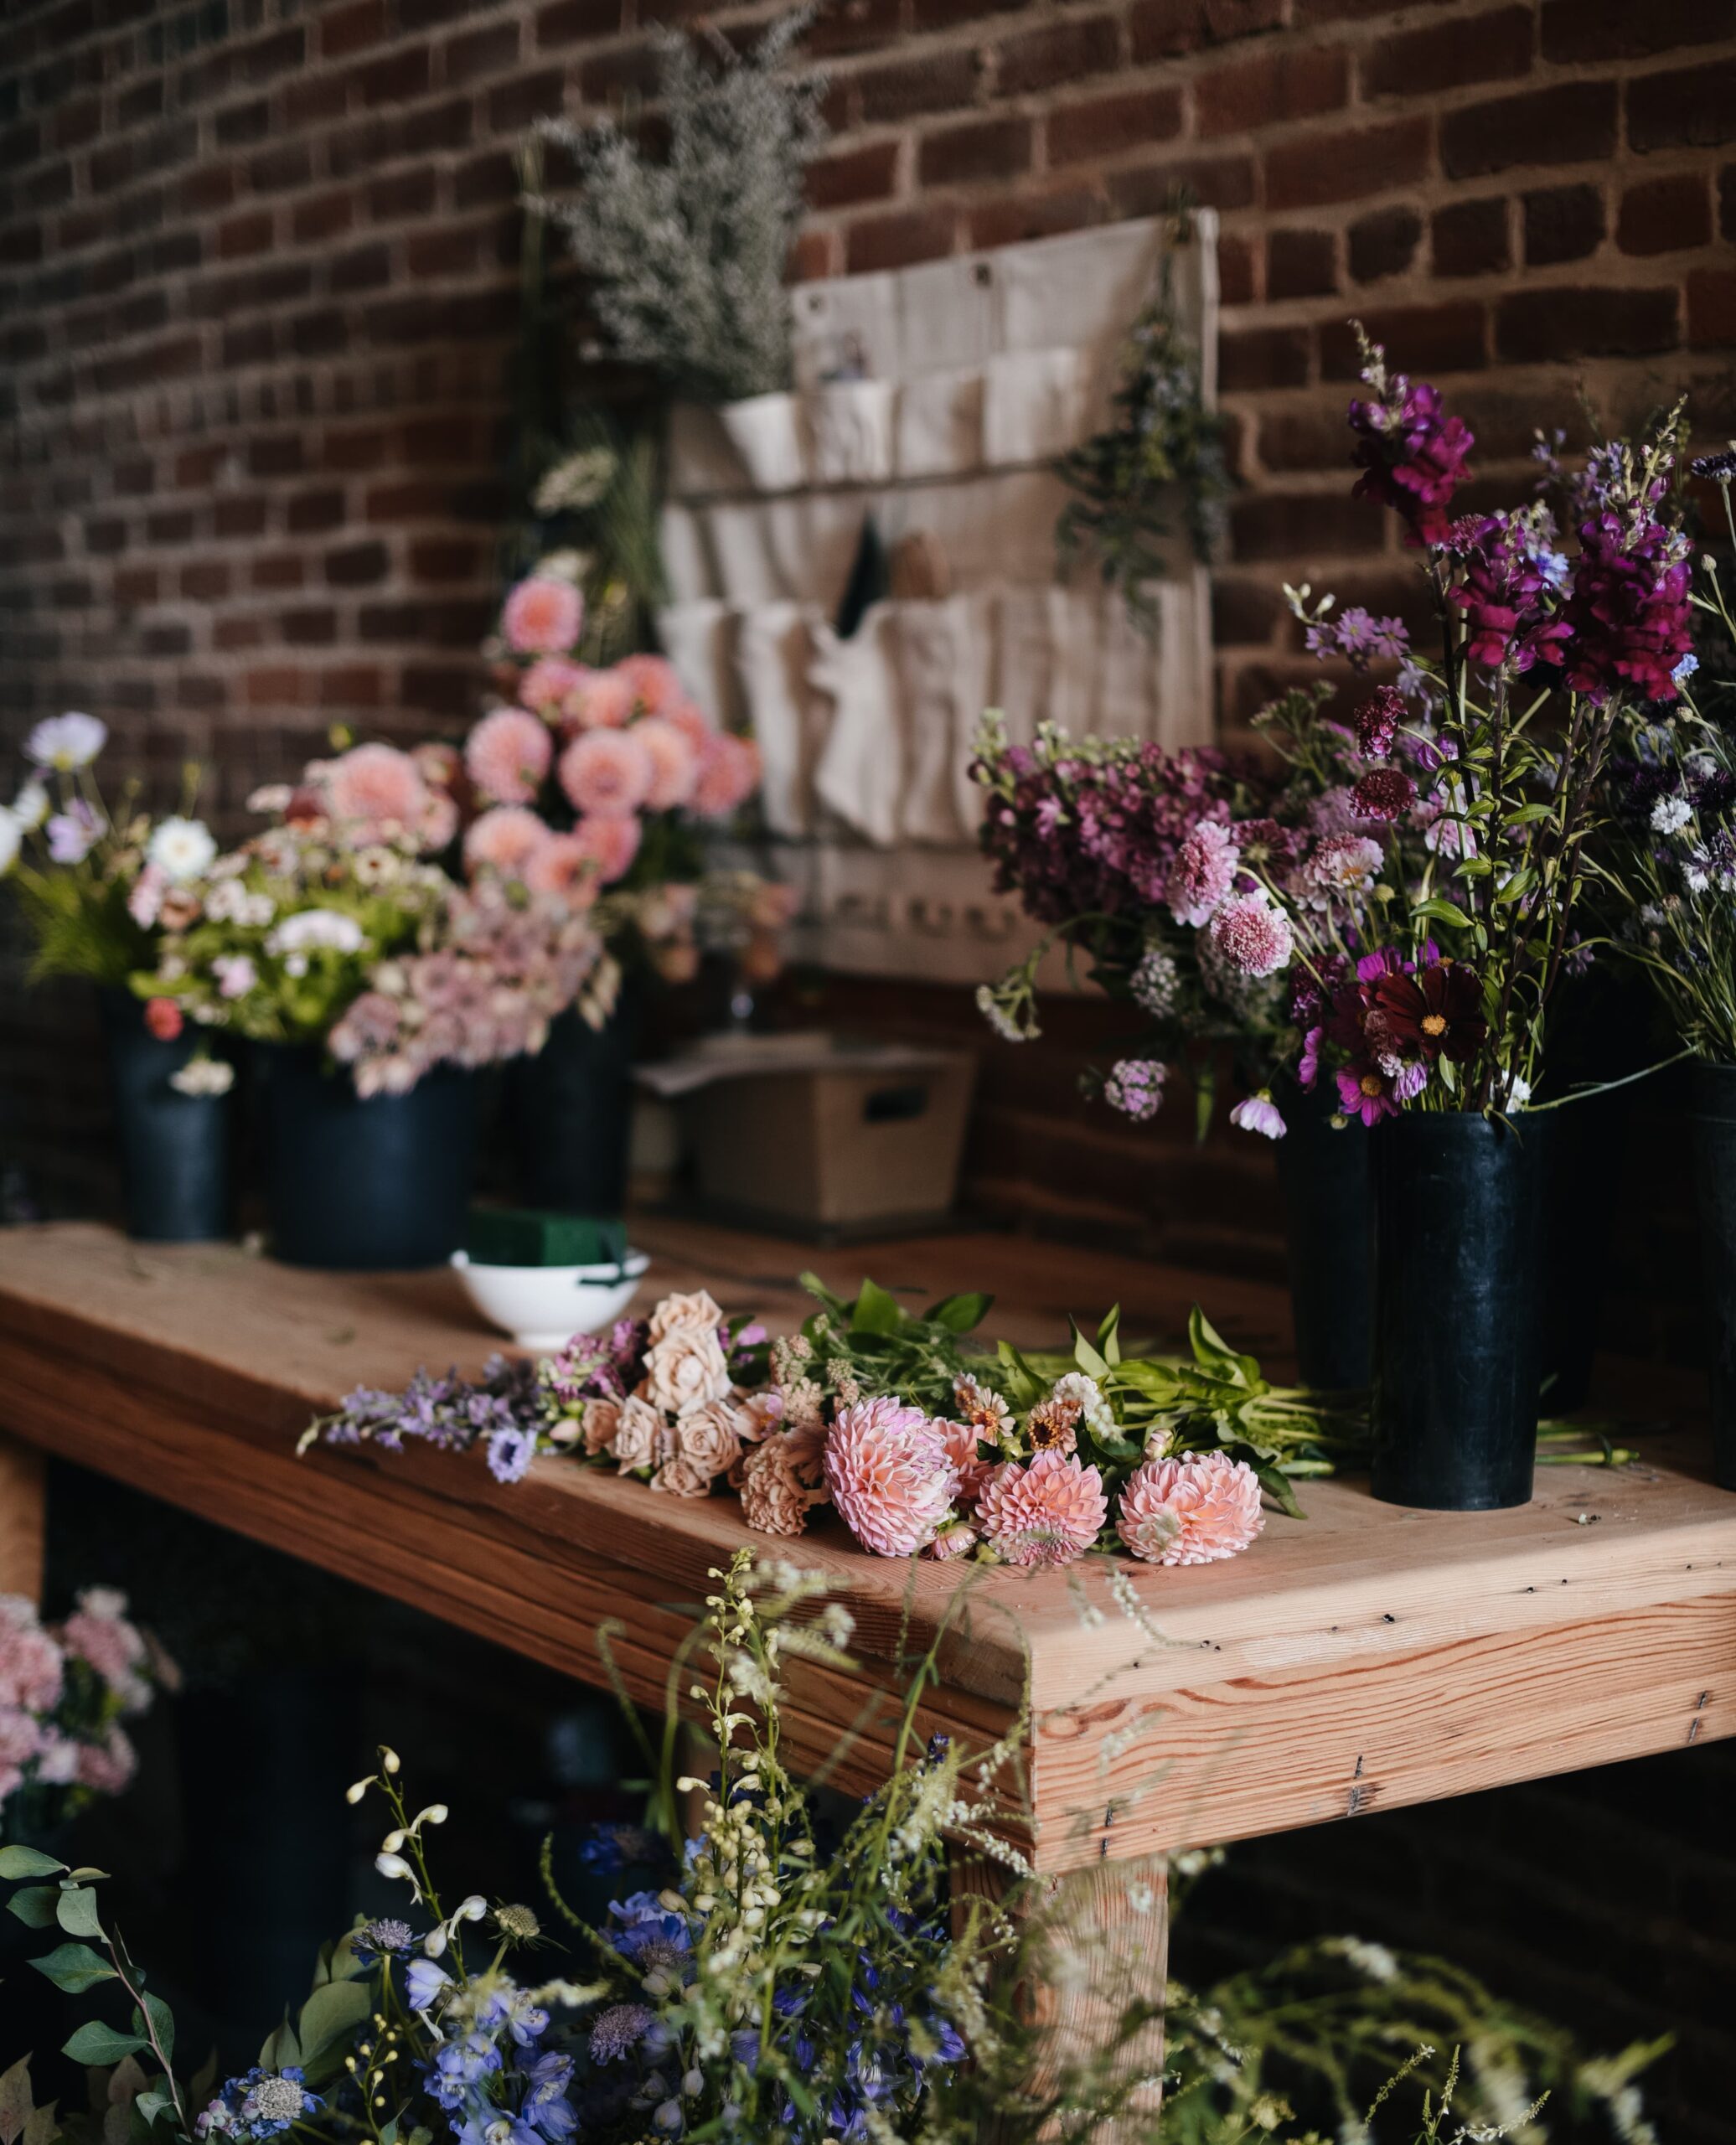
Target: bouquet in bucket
point(337, 926)
point(922, 1442)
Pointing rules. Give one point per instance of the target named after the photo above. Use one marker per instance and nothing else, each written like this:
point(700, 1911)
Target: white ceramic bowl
point(542, 1307)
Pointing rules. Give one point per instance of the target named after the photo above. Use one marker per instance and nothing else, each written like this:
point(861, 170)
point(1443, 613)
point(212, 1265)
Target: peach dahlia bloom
point(729, 775)
point(504, 841)
point(564, 866)
point(373, 789)
point(1191, 1510)
point(610, 843)
point(606, 772)
point(546, 685)
point(1044, 1514)
point(543, 616)
point(652, 681)
point(599, 699)
point(674, 765)
point(889, 1475)
point(507, 754)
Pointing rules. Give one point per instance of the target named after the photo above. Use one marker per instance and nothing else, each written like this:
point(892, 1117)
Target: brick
point(1426, 338)
point(1532, 325)
point(940, 82)
point(1727, 202)
point(481, 53)
point(244, 234)
point(1311, 437)
point(1562, 223)
point(1665, 215)
point(1618, 29)
point(1062, 52)
point(1262, 92)
point(853, 176)
point(521, 102)
point(1695, 109)
point(1347, 166)
point(1470, 238)
point(352, 29)
point(983, 149)
point(1015, 218)
point(402, 195)
point(570, 22)
point(854, 26)
point(1098, 128)
point(1235, 268)
point(442, 252)
point(363, 268)
point(1384, 244)
point(1448, 56)
point(444, 558)
point(1574, 122)
point(1218, 181)
point(1302, 525)
point(1165, 29)
point(281, 169)
point(397, 77)
point(310, 512)
point(1244, 613)
point(325, 216)
point(1253, 358)
point(896, 241)
point(1711, 308)
point(1301, 264)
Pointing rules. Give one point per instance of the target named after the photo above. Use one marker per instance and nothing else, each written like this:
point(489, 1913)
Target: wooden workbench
point(1363, 1657)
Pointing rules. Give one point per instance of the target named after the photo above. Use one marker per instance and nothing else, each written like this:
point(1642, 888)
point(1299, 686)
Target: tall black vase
point(360, 1183)
point(1714, 1121)
point(571, 1112)
point(1327, 1189)
point(1457, 1355)
point(174, 1148)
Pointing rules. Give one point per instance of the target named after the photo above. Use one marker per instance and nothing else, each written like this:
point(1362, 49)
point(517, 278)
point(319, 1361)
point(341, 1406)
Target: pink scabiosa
point(374, 790)
point(1342, 869)
point(504, 841)
point(1252, 934)
point(1191, 1510)
point(1378, 721)
point(889, 1475)
point(507, 754)
point(1259, 1113)
point(729, 773)
point(1204, 873)
point(543, 616)
point(1044, 1514)
point(606, 772)
point(611, 842)
point(1135, 1087)
point(1383, 793)
point(674, 766)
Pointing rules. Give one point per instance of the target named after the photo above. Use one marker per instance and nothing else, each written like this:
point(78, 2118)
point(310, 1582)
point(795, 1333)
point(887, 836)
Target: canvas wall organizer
point(935, 400)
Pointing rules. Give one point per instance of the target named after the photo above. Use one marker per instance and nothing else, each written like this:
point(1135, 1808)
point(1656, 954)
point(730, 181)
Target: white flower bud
point(393, 1865)
point(389, 1758)
point(693, 2083)
point(434, 1943)
point(355, 1794)
point(392, 1842)
point(435, 1814)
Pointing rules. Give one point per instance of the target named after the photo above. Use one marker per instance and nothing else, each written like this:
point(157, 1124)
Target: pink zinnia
point(607, 772)
point(1204, 871)
point(543, 616)
point(729, 775)
point(652, 681)
point(376, 789)
point(30, 1667)
point(1253, 935)
point(611, 842)
point(546, 685)
point(565, 865)
point(504, 841)
point(600, 699)
point(889, 1475)
point(507, 754)
point(674, 764)
point(1044, 1514)
point(1191, 1510)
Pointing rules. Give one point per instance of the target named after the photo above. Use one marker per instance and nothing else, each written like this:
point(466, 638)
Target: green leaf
point(281, 2047)
point(149, 2106)
point(76, 1912)
point(1527, 815)
point(75, 1967)
point(17, 1861)
point(35, 1908)
point(44, 2127)
point(331, 2012)
point(875, 1311)
point(1109, 1337)
point(17, 2097)
point(1086, 1357)
point(960, 1314)
point(163, 2024)
point(823, 1295)
point(96, 2042)
point(1441, 910)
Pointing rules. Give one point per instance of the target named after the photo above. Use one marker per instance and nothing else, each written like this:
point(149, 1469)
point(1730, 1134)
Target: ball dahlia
point(1191, 1510)
point(887, 1469)
point(1044, 1514)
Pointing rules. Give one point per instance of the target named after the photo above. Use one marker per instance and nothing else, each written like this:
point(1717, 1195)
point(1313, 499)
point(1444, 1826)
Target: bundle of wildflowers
point(336, 926)
point(65, 1690)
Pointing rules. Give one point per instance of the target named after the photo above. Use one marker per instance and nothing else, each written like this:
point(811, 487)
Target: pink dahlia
point(889, 1475)
point(546, 685)
point(507, 754)
point(1044, 1514)
point(1253, 935)
point(729, 775)
point(612, 844)
point(543, 616)
point(375, 790)
point(504, 841)
point(1191, 1510)
point(1203, 873)
point(600, 699)
point(961, 1444)
point(652, 681)
point(674, 764)
point(99, 1632)
point(607, 772)
point(30, 1665)
point(564, 866)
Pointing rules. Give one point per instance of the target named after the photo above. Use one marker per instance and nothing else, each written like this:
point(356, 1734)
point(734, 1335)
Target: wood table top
point(1363, 1657)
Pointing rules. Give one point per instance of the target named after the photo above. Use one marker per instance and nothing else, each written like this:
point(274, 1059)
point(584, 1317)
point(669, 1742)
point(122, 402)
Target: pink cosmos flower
point(1253, 935)
point(543, 616)
point(729, 775)
point(600, 699)
point(564, 865)
point(375, 790)
point(1191, 1510)
point(889, 1475)
point(1044, 1514)
point(1258, 1113)
point(674, 764)
point(607, 772)
point(611, 842)
point(652, 681)
point(507, 754)
point(548, 681)
point(1204, 873)
point(30, 1662)
point(504, 841)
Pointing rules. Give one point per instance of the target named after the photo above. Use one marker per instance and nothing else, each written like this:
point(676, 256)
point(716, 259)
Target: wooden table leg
point(23, 1510)
point(1098, 1964)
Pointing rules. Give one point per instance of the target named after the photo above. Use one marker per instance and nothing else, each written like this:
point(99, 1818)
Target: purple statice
point(444, 1410)
point(1359, 637)
point(1411, 455)
point(1628, 609)
point(1510, 577)
point(1135, 1087)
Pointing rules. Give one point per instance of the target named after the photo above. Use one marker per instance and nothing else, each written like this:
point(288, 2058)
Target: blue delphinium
point(490, 2073)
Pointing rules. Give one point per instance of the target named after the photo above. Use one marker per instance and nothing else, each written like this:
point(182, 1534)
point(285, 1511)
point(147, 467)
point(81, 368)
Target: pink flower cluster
point(64, 1692)
point(375, 794)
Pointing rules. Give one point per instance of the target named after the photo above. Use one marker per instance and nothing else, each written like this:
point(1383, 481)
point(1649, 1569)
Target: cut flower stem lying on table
point(923, 1439)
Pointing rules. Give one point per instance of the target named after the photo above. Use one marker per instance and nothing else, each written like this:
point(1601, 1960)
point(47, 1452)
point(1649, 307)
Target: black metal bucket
point(571, 1109)
point(1324, 1178)
point(174, 1149)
